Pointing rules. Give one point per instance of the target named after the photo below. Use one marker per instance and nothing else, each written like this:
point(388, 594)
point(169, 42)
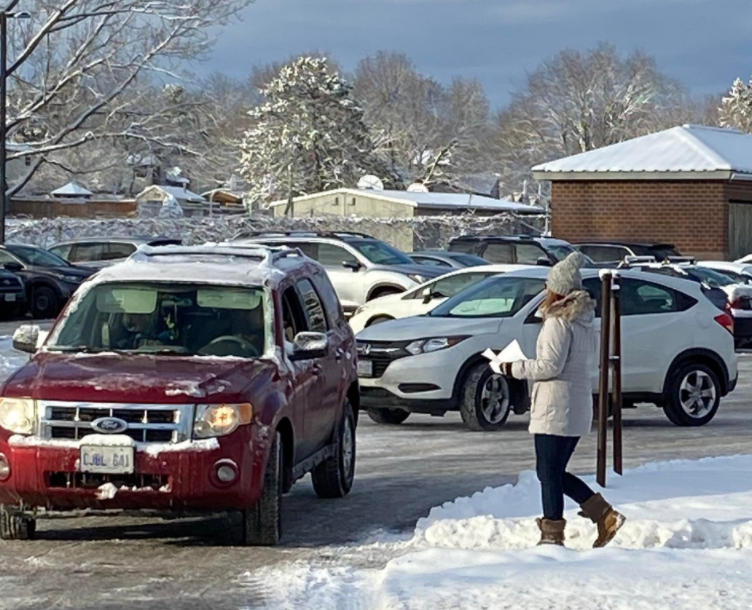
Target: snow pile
point(10, 359)
point(107, 491)
point(687, 544)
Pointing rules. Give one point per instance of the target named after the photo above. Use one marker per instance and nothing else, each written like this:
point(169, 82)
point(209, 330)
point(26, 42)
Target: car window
point(468, 247)
point(604, 254)
point(380, 253)
point(470, 260)
point(314, 310)
point(641, 298)
point(329, 298)
point(500, 253)
point(5, 257)
point(82, 253)
point(36, 256)
point(560, 251)
point(496, 297)
point(294, 319)
point(594, 288)
point(62, 251)
point(431, 262)
point(118, 251)
point(454, 284)
point(528, 254)
point(333, 256)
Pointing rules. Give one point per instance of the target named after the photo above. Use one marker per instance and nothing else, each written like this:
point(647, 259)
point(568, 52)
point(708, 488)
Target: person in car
point(562, 403)
point(142, 331)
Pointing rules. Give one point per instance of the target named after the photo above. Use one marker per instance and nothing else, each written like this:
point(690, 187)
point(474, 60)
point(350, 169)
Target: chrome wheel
point(697, 394)
point(494, 399)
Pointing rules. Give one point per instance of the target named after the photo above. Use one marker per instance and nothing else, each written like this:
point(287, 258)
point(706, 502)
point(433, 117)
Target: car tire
point(379, 320)
point(333, 478)
point(44, 302)
point(14, 526)
point(483, 388)
point(262, 523)
point(693, 395)
point(388, 417)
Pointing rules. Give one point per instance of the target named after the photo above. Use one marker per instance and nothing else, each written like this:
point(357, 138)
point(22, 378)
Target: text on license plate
point(109, 460)
point(365, 368)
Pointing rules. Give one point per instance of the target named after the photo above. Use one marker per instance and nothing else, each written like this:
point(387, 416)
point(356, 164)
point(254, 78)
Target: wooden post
point(616, 361)
point(603, 394)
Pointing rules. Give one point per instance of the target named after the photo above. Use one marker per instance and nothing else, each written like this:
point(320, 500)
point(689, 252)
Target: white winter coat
point(562, 399)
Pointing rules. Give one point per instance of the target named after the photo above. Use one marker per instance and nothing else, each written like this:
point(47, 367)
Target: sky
point(705, 44)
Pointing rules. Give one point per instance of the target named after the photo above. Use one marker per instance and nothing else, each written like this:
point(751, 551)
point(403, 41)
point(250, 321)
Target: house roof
point(180, 193)
point(224, 195)
point(434, 201)
point(72, 189)
point(688, 151)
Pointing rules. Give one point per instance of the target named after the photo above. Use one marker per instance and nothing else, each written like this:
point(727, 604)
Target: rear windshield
point(162, 318)
point(496, 297)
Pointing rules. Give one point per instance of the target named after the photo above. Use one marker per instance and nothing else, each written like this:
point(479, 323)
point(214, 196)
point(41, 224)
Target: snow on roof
point(447, 201)
point(685, 149)
point(72, 189)
point(180, 193)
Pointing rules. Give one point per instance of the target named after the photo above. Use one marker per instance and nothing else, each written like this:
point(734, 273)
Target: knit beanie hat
point(565, 276)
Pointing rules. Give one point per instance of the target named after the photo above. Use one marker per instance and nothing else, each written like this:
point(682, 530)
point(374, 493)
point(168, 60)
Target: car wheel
point(379, 320)
point(486, 399)
point(694, 395)
point(262, 523)
point(333, 478)
point(389, 417)
point(44, 303)
point(14, 526)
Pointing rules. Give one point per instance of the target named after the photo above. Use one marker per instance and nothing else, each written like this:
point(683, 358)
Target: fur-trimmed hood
point(577, 307)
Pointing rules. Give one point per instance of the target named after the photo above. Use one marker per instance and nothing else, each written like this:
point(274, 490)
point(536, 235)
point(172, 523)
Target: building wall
point(692, 215)
point(338, 204)
point(51, 208)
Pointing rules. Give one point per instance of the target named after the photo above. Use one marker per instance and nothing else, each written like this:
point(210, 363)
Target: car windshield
point(36, 256)
point(738, 278)
point(470, 260)
point(182, 319)
point(559, 251)
point(380, 253)
point(713, 278)
point(496, 297)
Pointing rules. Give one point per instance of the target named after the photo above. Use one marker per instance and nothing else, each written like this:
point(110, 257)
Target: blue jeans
point(552, 455)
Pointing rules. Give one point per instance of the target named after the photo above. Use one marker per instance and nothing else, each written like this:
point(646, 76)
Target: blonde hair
point(551, 299)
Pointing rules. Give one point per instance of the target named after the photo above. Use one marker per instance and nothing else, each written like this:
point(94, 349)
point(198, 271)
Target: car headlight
point(17, 415)
point(220, 420)
point(426, 346)
point(418, 278)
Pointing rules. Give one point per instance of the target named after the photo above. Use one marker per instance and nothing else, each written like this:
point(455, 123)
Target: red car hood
point(139, 379)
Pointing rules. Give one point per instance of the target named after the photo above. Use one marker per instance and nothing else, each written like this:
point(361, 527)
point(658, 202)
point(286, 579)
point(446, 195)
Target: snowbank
point(687, 544)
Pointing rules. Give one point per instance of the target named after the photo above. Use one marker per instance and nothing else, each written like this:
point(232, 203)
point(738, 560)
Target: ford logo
point(109, 425)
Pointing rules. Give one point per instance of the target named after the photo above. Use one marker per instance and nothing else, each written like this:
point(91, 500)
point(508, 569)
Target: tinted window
point(329, 298)
point(82, 253)
point(468, 247)
point(604, 254)
point(333, 256)
point(496, 297)
point(294, 319)
point(643, 298)
point(594, 288)
point(560, 251)
point(528, 254)
point(380, 253)
point(61, 251)
point(5, 257)
point(118, 251)
point(500, 253)
point(37, 256)
point(313, 308)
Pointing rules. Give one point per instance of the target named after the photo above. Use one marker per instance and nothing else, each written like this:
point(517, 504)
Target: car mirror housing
point(544, 261)
point(26, 338)
point(354, 266)
point(308, 346)
point(13, 267)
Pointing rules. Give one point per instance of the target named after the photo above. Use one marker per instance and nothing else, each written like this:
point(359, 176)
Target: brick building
point(690, 186)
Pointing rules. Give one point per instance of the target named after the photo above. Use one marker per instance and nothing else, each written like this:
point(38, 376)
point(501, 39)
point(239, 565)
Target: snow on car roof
point(235, 265)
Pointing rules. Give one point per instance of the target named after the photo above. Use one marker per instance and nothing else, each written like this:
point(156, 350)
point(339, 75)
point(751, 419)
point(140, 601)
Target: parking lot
point(128, 561)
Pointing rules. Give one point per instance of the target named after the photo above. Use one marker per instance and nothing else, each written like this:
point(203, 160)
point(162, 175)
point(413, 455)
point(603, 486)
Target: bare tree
point(72, 62)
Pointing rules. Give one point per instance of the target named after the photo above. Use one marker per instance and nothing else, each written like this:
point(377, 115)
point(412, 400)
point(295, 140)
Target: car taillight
point(726, 321)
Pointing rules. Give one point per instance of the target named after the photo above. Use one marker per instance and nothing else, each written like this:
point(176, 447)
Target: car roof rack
point(260, 252)
point(301, 233)
point(678, 260)
point(636, 261)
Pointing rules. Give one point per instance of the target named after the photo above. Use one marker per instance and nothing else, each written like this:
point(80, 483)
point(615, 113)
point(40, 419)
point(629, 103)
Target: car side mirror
point(544, 261)
point(308, 346)
point(26, 338)
point(13, 267)
point(354, 266)
point(427, 295)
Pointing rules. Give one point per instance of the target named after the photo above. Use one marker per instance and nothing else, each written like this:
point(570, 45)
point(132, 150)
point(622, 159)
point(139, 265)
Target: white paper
point(511, 353)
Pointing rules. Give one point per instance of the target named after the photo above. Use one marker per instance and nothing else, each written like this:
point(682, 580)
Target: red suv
point(206, 378)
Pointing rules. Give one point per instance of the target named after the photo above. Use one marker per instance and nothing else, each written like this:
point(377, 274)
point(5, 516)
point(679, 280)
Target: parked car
point(12, 295)
point(447, 260)
point(677, 351)
point(360, 267)
point(726, 289)
point(743, 271)
point(513, 250)
point(198, 378)
point(98, 252)
point(50, 281)
point(614, 252)
point(425, 297)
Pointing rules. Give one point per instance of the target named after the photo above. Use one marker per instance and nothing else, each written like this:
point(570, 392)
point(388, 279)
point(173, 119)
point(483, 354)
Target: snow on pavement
point(10, 359)
point(687, 544)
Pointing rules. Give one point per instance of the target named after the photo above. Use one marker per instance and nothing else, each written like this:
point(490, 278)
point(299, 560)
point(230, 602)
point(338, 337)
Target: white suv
point(677, 351)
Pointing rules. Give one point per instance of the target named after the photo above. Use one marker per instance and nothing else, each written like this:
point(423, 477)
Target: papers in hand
point(511, 353)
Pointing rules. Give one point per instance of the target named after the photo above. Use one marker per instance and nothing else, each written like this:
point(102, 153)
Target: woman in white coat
point(562, 401)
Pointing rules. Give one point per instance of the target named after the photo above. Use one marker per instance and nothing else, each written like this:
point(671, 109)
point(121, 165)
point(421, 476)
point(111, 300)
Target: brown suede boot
point(605, 517)
point(552, 532)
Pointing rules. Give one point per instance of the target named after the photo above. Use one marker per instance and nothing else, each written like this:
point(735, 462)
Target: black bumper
point(742, 332)
point(375, 398)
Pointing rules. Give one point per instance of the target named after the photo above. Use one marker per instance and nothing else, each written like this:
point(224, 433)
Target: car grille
point(145, 423)
point(382, 354)
point(91, 480)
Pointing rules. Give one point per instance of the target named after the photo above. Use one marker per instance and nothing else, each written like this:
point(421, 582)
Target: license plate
point(107, 460)
point(10, 297)
point(365, 368)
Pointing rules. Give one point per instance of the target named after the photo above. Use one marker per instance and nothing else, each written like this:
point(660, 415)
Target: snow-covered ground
point(687, 544)
point(10, 359)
